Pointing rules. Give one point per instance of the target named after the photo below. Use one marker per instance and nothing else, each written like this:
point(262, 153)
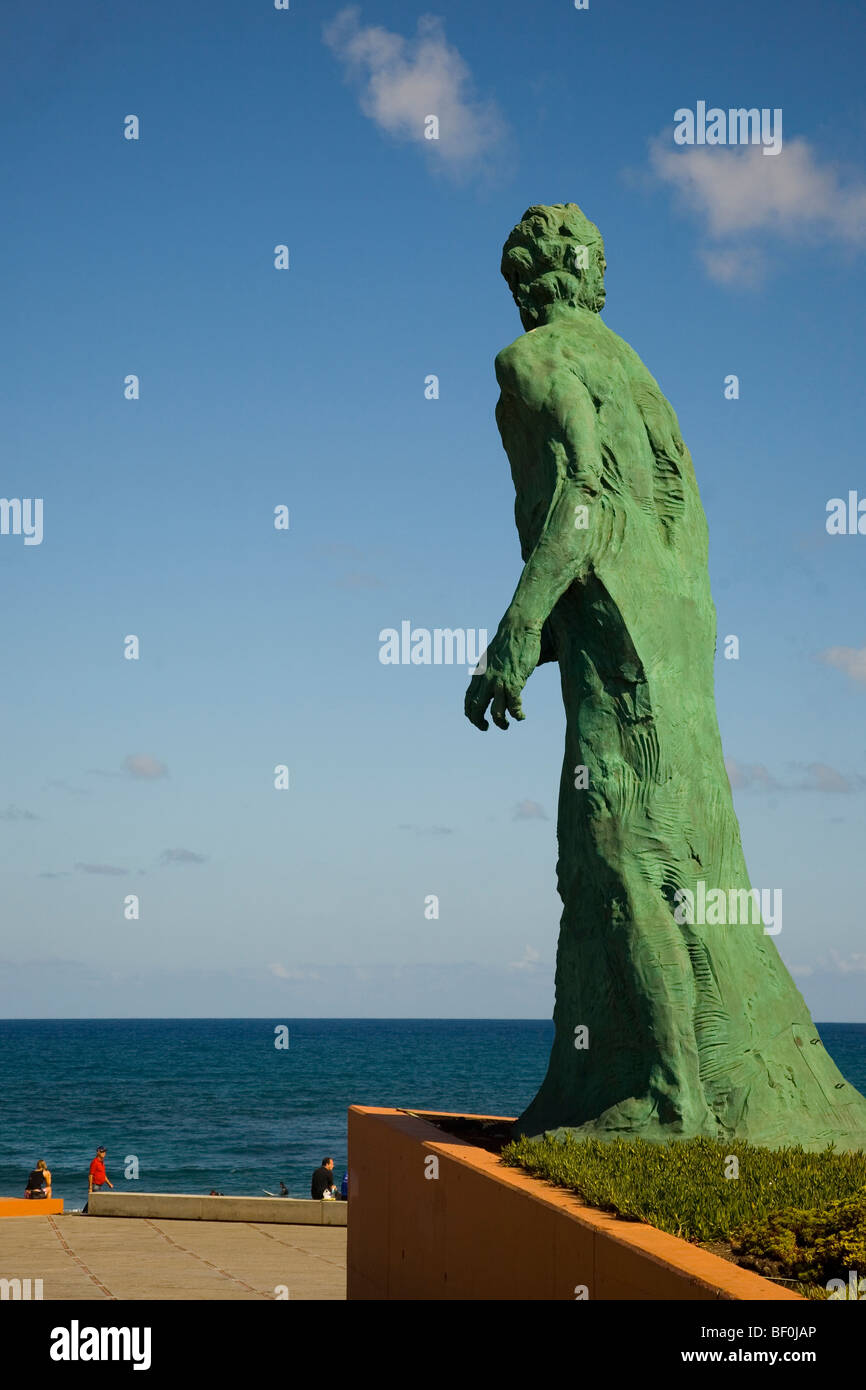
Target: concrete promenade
point(80, 1257)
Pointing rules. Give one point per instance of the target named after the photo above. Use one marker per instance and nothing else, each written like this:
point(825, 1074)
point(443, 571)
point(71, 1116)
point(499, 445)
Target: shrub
point(793, 1215)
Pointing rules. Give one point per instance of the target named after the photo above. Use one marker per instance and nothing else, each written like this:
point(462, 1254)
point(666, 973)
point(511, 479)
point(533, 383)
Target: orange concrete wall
point(484, 1231)
point(23, 1206)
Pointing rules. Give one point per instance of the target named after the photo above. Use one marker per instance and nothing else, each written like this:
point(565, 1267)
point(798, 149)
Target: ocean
point(212, 1103)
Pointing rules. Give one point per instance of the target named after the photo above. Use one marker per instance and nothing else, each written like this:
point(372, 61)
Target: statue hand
point(511, 658)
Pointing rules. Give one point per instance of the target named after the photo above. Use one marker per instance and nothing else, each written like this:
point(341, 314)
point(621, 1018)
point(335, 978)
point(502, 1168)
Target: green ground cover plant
point(793, 1216)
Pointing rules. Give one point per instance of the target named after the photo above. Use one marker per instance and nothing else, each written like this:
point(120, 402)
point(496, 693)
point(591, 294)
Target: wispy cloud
point(820, 777)
point(743, 266)
point(747, 203)
point(142, 765)
point(750, 775)
point(528, 961)
point(282, 973)
point(17, 813)
point(429, 829)
point(182, 856)
point(109, 869)
point(805, 777)
point(851, 660)
point(833, 964)
point(356, 564)
point(404, 81)
point(359, 580)
point(529, 810)
point(58, 784)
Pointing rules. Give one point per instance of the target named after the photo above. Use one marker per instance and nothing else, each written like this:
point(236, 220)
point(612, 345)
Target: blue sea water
point(204, 1103)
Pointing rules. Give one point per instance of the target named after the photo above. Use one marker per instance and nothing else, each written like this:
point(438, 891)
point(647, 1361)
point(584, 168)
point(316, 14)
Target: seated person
point(322, 1185)
point(36, 1183)
point(42, 1166)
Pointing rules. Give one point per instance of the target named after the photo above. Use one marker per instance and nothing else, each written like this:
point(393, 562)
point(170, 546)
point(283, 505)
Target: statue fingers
point(475, 692)
point(515, 705)
point(478, 697)
point(497, 709)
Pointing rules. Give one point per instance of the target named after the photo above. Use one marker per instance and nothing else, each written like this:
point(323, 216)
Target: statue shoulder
point(525, 367)
point(509, 360)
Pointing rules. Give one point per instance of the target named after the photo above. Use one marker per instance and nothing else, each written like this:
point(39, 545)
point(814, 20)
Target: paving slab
point(79, 1257)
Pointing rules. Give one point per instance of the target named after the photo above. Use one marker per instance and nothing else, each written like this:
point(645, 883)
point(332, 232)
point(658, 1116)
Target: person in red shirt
point(97, 1175)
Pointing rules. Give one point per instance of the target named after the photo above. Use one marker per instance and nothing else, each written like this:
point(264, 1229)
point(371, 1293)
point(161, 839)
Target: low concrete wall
point(479, 1230)
point(171, 1206)
point(26, 1206)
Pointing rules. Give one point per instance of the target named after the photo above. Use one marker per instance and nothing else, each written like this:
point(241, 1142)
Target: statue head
point(554, 264)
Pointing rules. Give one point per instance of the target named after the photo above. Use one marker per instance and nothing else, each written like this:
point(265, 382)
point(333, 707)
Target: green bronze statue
point(669, 1022)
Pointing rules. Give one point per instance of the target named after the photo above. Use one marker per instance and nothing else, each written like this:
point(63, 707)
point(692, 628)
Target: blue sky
point(305, 387)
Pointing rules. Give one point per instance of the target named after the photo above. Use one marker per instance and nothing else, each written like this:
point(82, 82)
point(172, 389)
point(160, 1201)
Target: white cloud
point(833, 964)
point(529, 961)
point(741, 265)
point(851, 660)
point(740, 195)
point(283, 974)
point(823, 778)
point(403, 81)
point(750, 775)
point(144, 766)
point(813, 777)
point(529, 810)
point(855, 964)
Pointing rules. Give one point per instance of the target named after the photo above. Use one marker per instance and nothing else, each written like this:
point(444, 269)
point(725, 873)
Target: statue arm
point(559, 555)
point(556, 560)
point(548, 646)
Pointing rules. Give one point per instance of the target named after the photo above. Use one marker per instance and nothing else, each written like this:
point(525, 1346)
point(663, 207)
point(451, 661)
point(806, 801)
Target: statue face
point(592, 293)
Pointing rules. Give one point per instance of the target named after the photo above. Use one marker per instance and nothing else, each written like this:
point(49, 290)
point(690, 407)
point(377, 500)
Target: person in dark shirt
point(323, 1180)
point(36, 1184)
